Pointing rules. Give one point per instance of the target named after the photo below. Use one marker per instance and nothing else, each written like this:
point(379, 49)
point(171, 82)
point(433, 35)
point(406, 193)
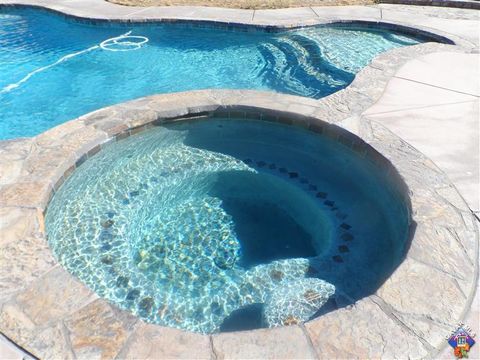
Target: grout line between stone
point(212, 348)
point(119, 354)
point(436, 86)
point(66, 332)
point(475, 215)
point(253, 14)
point(309, 340)
point(436, 268)
point(388, 311)
point(21, 207)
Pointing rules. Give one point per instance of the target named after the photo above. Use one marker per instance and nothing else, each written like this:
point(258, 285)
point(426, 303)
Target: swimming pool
point(222, 224)
point(53, 69)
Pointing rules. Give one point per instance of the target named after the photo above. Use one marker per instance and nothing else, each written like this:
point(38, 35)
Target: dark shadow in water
point(348, 296)
point(246, 318)
point(266, 231)
point(263, 243)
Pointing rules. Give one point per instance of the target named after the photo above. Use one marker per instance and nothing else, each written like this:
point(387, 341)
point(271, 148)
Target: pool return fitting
point(124, 42)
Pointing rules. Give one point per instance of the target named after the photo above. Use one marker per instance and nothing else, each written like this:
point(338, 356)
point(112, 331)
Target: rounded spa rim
point(431, 281)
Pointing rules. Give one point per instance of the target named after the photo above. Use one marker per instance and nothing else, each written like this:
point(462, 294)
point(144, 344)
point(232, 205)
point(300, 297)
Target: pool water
point(53, 69)
point(218, 224)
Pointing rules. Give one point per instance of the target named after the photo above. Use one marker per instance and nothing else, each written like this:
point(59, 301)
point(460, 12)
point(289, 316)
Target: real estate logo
point(461, 340)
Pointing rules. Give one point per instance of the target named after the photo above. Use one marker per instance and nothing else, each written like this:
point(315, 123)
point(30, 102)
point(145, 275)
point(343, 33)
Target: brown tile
point(99, 330)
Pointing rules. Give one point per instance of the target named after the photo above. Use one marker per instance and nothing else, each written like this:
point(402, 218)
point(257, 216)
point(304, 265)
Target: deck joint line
point(318, 16)
point(436, 86)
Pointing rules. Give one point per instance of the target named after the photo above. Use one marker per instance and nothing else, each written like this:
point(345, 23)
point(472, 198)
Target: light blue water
point(53, 69)
point(194, 224)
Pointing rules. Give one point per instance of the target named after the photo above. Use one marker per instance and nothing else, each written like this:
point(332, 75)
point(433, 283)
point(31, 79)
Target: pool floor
point(190, 224)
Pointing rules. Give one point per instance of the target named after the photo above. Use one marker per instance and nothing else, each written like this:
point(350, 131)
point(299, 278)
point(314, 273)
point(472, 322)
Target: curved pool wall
point(434, 284)
point(54, 69)
point(107, 221)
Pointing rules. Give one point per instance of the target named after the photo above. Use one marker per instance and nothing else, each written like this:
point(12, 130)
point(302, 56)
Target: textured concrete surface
point(437, 111)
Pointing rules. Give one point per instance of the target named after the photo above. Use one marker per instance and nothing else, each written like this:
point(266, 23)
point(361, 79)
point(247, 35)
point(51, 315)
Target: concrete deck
point(428, 95)
point(437, 112)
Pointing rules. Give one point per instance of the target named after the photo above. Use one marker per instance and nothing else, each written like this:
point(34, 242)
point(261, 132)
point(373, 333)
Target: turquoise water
point(222, 224)
point(53, 69)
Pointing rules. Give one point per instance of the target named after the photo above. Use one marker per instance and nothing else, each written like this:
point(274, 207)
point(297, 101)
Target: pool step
point(299, 59)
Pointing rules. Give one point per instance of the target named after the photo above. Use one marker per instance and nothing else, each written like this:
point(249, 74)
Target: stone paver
point(22, 240)
point(156, 342)
point(279, 343)
point(363, 331)
point(99, 330)
point(471, 319)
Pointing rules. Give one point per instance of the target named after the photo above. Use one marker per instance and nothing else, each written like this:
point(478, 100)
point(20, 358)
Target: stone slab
point(363, 331)
point(24, 254)
point(418, 291)
point(99, 330)
point(156, 342)
point(53, 297)
point(279, 343)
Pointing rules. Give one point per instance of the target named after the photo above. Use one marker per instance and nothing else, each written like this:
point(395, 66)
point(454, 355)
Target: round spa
point(217, 224)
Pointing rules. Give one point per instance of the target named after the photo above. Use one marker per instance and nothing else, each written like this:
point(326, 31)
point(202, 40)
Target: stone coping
point(48, 312)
